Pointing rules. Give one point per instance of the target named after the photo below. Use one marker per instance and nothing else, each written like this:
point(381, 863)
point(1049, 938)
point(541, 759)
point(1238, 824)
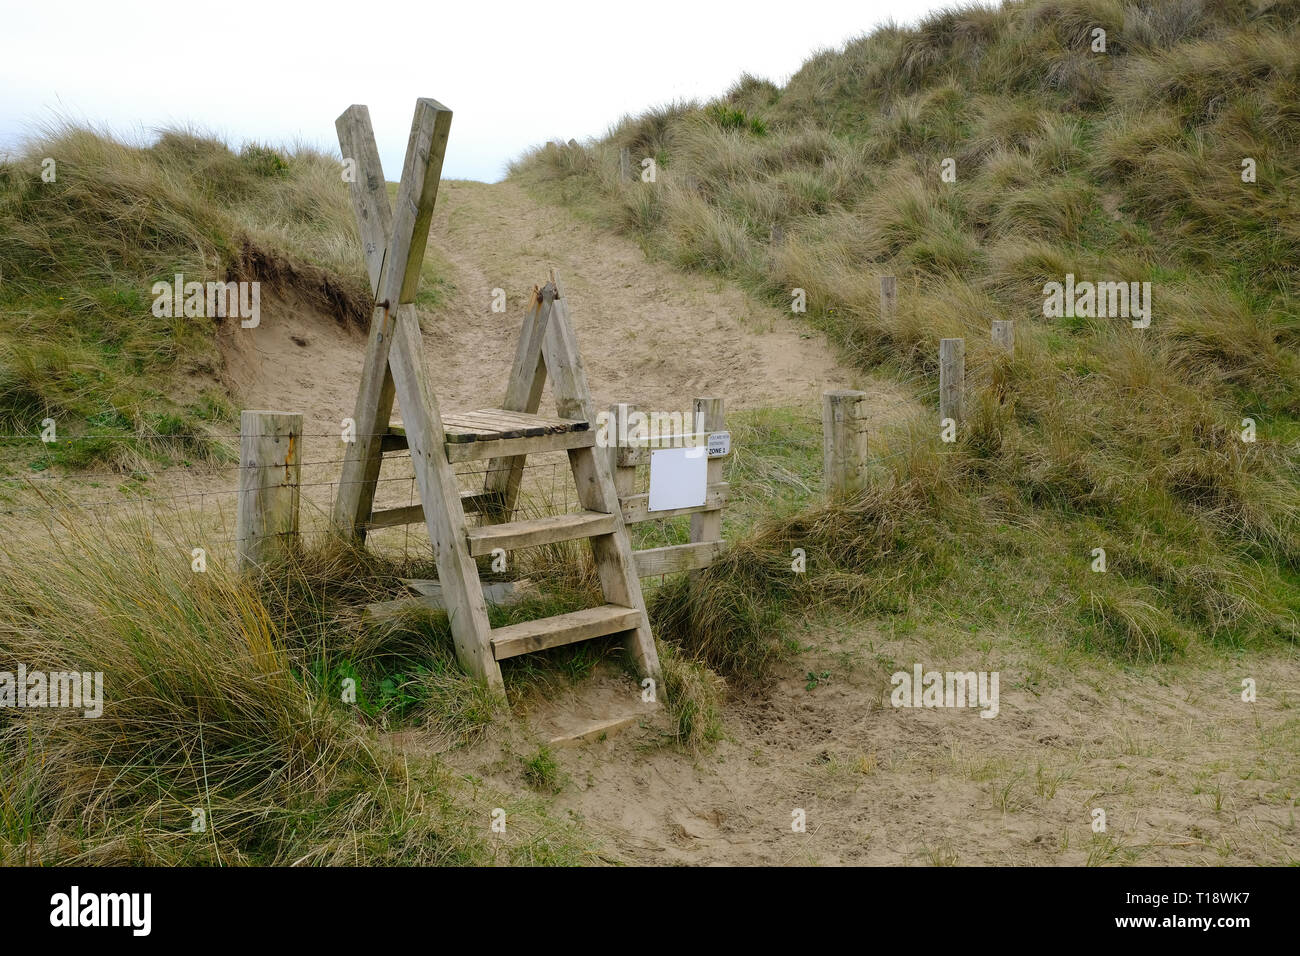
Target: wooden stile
point(393, 370)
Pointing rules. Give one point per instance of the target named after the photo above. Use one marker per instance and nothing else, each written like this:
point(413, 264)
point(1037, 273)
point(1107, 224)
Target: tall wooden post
point(708, 415)
point(888, 298)
point(270, 465)
point(844, 441)
point(622, 459)
point(952, 379)
point(1004, 334)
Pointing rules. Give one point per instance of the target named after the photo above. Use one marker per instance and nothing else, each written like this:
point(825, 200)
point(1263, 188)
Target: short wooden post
point(952, 379)
point(622, 459)
point(270, 463)
point(844, 441)
point(888, 298)
point(1004, 334)
point(708, 415)
point(625, 164)
point(777, 236)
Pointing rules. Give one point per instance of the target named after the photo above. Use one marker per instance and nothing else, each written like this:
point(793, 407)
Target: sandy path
point(648, 333)
point(1186, 772)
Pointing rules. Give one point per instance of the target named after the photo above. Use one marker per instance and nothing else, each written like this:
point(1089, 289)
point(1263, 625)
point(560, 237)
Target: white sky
point(514, 74)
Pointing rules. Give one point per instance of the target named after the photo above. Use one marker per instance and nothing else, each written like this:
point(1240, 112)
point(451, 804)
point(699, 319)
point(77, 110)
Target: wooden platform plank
point(530, 636)
point(550, 421)
point(484, 426)
point(533, 532)
point(491, 424)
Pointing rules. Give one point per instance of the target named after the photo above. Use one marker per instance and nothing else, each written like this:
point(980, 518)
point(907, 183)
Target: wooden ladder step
point(472, 501)
point(538, 531)
point(516, 639)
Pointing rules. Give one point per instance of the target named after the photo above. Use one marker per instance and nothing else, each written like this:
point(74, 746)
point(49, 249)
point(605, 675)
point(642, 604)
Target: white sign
point(719, 444)
point(679, 478)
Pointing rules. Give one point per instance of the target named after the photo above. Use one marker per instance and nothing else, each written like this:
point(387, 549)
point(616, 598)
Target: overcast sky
point(514, 74)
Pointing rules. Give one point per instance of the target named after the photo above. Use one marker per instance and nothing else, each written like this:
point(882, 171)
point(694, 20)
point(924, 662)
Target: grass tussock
point(695, 698)
point(88, 224)
point(244, 719)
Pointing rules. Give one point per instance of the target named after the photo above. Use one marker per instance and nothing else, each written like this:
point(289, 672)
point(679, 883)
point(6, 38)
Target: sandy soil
point(1186, 772)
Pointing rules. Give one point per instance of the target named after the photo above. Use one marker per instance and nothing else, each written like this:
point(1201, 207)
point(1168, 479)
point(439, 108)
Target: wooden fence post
point(625, 164)
point(622, 460)
point(1004, 334)
point(952, 379)
point(270, 465)
point(888, 298)
point(844, 441)
point(708, 415)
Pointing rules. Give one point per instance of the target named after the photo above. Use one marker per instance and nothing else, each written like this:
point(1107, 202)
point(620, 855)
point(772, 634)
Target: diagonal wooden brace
point(395, 241)
point(523, 394)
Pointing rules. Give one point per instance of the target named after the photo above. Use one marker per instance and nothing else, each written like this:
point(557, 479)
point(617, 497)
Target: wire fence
point(786, 442)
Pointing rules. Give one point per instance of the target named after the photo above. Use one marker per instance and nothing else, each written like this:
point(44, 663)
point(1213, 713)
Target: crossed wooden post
point(394, 366)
